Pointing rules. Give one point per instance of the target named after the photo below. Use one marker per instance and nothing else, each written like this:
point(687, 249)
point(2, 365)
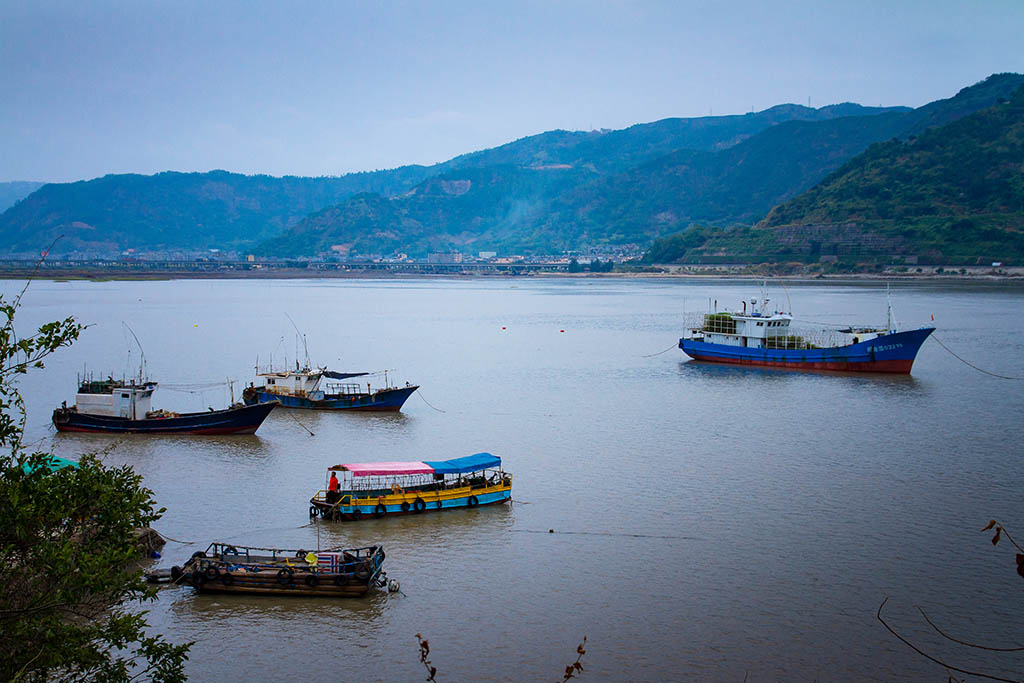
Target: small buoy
point(155, 554)
point(561, 330)
point(551, 531)
point(393, 586)
point(195, 324)
point(503, 327)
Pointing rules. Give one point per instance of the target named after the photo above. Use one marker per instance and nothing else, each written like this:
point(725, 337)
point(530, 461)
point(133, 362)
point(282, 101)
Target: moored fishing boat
point(396, 488)
point(323, 389)
point(764, 338)
point(339, 573)
point(119, 406)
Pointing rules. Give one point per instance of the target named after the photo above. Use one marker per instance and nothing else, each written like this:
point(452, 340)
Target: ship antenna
point(142, 353)
point(303, 337)
point(888, 300)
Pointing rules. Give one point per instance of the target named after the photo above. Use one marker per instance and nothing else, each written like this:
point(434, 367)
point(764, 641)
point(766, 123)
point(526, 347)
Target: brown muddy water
point(709, 522)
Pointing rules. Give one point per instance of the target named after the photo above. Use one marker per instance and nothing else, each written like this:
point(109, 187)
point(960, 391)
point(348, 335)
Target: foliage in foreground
point(68, 560)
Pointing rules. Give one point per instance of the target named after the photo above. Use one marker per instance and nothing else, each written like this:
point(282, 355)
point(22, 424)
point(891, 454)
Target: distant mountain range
point(950, 194)
point(546, 193)
point(12, 192)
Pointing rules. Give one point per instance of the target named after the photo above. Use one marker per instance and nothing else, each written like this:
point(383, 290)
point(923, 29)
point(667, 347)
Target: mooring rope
point(676, 345)
point(300, 424)
point(601, 533)
point(420, 394)
point(969, 364)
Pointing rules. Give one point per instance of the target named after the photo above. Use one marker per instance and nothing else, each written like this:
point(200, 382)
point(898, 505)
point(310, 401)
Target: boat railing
point(399, 486)
point(345, 389)
point(802, 339)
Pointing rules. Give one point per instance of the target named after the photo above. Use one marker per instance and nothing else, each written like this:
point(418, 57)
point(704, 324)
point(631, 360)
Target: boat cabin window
point(760, 324)
point(270, 381)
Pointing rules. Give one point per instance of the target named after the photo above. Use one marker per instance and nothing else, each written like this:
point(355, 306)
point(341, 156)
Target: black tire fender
point(284, 577)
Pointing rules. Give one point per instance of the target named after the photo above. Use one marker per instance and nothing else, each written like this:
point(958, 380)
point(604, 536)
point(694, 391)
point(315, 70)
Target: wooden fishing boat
point(120, 406)
point(323, 389)
point(382, 489)
point(225, 568)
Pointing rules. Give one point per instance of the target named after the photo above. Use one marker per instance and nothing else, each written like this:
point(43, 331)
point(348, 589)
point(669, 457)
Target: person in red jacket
point(332, 488)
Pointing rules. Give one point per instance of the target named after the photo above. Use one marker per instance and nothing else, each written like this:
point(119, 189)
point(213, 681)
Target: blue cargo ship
point(765, 339)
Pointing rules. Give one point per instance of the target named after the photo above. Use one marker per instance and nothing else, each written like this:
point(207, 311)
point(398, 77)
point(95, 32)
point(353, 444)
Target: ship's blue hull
point(385, 399)
point(891, 353)
point(236, 420)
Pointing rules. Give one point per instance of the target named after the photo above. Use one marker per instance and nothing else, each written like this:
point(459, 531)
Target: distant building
point(444, 257)
point(487, 254)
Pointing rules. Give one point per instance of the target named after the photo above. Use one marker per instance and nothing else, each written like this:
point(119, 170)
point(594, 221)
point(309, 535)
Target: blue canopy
point(470, 463)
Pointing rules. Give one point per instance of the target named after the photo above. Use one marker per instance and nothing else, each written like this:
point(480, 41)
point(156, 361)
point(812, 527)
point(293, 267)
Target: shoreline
point(1006, 275)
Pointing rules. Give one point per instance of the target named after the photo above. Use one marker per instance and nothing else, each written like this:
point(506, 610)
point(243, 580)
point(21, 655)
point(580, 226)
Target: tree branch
point(929, 657)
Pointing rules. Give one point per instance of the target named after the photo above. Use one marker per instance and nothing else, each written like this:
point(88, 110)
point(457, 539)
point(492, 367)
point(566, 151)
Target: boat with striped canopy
point(381, 489)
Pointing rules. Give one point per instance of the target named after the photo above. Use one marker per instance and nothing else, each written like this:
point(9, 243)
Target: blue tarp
point(470, 463)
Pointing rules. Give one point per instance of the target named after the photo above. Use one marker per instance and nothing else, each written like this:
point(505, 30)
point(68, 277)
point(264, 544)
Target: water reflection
point(732, 372)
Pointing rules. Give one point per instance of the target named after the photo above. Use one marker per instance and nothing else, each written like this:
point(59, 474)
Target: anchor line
point(420, 394)
point(972, 365)
point(300, 423)
point(661, 352)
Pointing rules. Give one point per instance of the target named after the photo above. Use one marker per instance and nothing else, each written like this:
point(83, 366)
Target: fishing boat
point(383, 489)
point(764, 338)
point(123, 406)
point(338, 573)
point(323, 389)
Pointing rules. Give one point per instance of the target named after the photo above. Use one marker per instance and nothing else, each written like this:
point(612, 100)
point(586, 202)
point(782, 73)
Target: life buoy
point(227, 579)
point(230, 550)
point(472, 502)
point(175, 574)
point(300, 554)
point(312, 580)
point(418, 505)
point(357, 514)
point(363, 573)
point(340, 580)
point(314, 511)
point(405, 506)
point(198, 553)
point(380, 510)
point(284, 577)
point(211, 572)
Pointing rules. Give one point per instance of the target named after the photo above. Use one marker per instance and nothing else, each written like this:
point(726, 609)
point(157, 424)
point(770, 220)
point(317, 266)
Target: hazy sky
point(95, 87)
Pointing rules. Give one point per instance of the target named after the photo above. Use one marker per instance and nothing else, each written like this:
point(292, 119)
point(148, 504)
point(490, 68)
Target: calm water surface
point(709, 522)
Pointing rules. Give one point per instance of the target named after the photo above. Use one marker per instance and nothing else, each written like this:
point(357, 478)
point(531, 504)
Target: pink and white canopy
point(364, 469)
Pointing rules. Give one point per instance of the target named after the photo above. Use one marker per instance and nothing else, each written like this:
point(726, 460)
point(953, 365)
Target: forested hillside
point(952, 194)
point(542, 194)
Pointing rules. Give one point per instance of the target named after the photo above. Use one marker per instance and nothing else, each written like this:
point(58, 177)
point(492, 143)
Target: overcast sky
point(90, 88)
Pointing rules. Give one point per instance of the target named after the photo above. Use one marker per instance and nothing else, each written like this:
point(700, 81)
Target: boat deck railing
point(275, 557)
point(399, 491)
